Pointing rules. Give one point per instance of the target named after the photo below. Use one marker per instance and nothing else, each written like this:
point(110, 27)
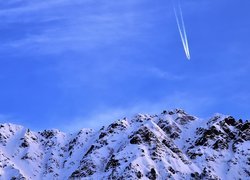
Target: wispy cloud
point(15, 8)
point(79, 26)
point(195, 105)
point(158, 72)
point(7, 118)
point(4, 118)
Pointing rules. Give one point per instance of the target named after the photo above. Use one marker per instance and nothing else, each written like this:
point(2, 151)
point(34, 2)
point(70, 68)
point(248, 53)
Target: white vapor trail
point(181, 28)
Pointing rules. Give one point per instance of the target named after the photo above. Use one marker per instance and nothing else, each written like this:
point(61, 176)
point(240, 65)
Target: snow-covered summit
point(171, 145)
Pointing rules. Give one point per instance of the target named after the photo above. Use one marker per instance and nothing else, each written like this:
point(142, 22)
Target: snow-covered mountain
point(171, 145)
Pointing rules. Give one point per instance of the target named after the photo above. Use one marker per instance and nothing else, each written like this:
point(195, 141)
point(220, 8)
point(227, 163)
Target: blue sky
point(70, 64)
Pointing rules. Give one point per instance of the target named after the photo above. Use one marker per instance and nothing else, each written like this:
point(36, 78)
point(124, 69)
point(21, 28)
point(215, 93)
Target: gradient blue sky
point(70, 64)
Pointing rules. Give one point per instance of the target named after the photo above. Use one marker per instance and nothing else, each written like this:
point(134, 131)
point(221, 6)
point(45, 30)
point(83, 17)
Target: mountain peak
point(170, 145)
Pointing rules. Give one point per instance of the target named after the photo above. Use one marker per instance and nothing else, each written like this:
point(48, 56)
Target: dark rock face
point(87, 169)
point(135, 140)
point(172, 145)
point(222, 134)
point(48, 134)
point(90, 150)
point(103, 134)
point(171, 129)
point(25, 144)
point(112, 163)
point(231, 121)
point(152, 174)
point(220, 144)
point(143, 135)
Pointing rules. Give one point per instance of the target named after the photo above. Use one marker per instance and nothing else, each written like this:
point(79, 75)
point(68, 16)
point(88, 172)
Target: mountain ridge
point(170, 145)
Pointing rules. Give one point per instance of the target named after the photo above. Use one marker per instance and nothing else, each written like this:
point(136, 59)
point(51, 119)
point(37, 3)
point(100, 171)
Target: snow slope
point(171, 145)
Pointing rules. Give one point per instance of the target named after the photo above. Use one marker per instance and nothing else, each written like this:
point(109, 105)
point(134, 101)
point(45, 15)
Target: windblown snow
point(171, 145)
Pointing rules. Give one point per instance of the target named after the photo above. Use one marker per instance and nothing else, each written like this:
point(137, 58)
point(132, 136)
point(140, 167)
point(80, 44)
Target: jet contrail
point(185, 34)
point(181, 28)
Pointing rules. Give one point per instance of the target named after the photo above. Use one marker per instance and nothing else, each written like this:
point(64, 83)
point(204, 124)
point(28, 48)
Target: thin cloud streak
point(77, 31)
point(104, 116)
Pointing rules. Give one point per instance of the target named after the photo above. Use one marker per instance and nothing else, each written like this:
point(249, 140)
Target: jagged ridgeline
point(171, 145)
